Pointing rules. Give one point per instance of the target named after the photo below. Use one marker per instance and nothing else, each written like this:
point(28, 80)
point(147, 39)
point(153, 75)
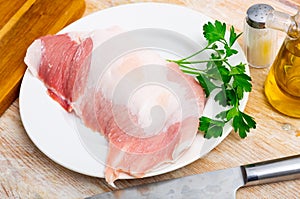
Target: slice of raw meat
point(63, 61)
point(61, 76)
point(147, 109)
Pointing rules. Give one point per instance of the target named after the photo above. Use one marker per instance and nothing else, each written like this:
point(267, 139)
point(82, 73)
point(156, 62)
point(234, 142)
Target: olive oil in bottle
point(282, 86)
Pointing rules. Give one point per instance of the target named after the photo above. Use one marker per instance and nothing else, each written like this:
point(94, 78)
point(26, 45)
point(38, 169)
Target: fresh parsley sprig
point(230, 81)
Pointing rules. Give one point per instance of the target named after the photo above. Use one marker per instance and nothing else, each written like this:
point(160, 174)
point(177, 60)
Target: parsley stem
point(187, 67)
point(199, 72)
point(196, 53)
point(200, 61)
point(191, 72)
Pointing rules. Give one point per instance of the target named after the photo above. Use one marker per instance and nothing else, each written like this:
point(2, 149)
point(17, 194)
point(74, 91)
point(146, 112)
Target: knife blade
point(220, 184)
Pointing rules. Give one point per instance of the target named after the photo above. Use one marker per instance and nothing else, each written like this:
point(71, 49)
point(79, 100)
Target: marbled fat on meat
point(63, 67)
point(130, 152)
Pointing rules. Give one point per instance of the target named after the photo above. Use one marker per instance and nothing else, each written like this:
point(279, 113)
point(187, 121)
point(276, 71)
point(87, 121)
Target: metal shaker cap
point(257, 15)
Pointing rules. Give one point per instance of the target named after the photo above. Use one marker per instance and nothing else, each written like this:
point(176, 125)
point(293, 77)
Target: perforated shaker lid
point(257, 15)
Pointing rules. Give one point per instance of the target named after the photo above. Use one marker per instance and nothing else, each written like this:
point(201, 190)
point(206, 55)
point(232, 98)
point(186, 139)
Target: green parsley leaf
point(230, 51)
point(233, 36)
point(210, 127)
point(221, 98)
point(214, 32)
point(241, 83)
point(249, 120)
point(231, 97)
point(206, 84)
point(242, 124)
point(225, 73)
point(231, 113)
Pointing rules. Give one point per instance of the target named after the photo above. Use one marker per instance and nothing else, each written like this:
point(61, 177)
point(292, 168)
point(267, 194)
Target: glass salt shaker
point(260, 42)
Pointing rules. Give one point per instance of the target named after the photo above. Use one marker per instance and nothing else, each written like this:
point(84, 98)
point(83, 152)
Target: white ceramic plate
point(52, 129)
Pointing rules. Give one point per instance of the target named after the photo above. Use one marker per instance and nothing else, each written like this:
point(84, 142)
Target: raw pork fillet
point(63, 61)
point(147, 109)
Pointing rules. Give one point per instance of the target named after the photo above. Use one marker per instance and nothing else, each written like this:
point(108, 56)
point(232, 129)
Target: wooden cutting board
point(22, 21)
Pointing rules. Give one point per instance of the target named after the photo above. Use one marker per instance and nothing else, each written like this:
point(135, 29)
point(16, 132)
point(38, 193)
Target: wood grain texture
point(21, 22)
point(25, 172)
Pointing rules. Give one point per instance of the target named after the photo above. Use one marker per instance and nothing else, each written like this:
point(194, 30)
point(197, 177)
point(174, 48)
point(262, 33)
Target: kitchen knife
point(220, 184)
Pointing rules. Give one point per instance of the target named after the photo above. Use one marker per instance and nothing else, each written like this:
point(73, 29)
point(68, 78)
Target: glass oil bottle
point(282, 86)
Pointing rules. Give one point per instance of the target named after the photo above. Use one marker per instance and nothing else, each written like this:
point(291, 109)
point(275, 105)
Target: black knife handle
point(287, 168)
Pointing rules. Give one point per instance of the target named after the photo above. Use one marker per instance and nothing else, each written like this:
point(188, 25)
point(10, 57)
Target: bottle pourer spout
point(283, 22)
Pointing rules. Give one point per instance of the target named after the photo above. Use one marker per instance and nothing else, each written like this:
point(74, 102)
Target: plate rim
point(87, 18)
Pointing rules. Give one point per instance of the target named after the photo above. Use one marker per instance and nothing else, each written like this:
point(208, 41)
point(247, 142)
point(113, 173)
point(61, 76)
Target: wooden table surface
point(25, 172)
